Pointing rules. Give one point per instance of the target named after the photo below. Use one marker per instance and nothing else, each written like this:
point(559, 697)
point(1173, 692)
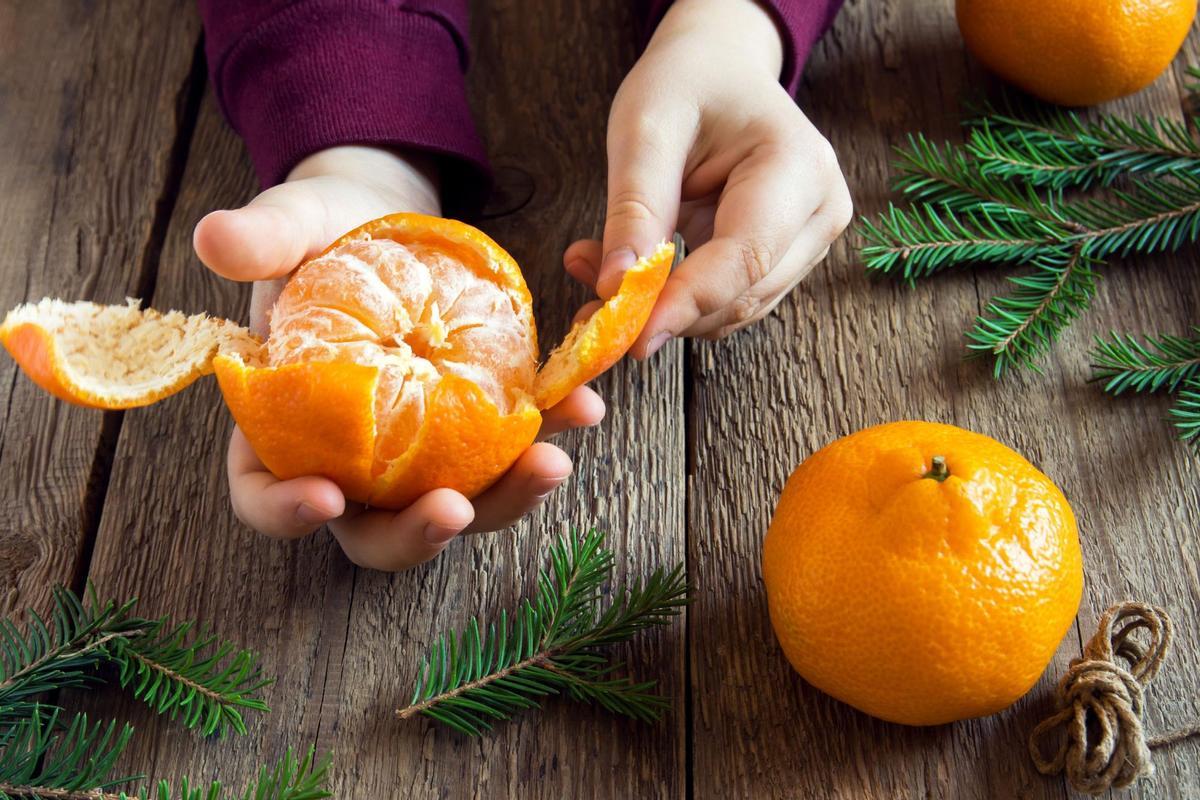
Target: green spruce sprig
point(199, 680)
point(551, 644)
point(204, 682)
point(1060, 196)
point(1185, 414)
point(1126, 363)
point(1157, 364)
point(59, 653)
point(1050, 147)
point(43, 759)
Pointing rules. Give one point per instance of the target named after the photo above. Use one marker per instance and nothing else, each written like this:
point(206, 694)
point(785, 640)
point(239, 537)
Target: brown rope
point(1100, 704)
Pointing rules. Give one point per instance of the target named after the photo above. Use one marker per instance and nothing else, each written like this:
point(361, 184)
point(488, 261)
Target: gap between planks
point(187, 112)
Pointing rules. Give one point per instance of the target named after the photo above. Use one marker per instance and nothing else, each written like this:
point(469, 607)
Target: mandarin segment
point(973, 579)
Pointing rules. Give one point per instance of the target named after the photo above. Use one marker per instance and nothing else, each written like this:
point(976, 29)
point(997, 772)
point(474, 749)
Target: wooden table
point(112, 148)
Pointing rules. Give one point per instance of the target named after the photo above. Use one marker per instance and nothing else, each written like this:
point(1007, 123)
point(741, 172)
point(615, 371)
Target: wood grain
point(92, 102)
point(629, 472)
point(699, 440)
point(169, 536)
point(844, 353)
point(346, 643)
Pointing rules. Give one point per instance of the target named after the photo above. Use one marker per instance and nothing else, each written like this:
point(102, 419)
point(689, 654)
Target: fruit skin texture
point(318, 418)
point(320, 421)
point(592, 346)
point(918, 601)
point(316, 411)
point(35, 350)
point(1076, 52)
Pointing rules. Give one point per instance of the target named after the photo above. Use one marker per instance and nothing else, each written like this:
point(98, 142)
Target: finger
point(396, 540)
point(262, 298)
point(645, 174)
point(538, 471)
point(696, 220)
point(582, 261)
point(582, 408)
point(759, 215)
point(282, 509)
point(585, 311)
point(267, 238)
point(757, 301)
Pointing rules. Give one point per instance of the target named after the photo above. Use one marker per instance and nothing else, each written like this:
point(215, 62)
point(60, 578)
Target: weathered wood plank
point(169, 535)
point(544, 115)
point(844, 353)
point(346, 644)
point(92, 101)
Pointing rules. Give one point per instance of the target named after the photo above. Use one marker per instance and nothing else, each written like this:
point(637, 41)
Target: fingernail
point(655, 344)
point(439, 534)
point(310, 515)
point(615, 265)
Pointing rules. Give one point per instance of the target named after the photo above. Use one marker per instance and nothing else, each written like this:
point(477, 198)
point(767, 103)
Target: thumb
point(645, 175)
point(266, 239)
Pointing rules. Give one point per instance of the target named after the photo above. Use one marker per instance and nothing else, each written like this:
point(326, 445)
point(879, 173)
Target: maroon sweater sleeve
point(297, 76)
point(801, 23)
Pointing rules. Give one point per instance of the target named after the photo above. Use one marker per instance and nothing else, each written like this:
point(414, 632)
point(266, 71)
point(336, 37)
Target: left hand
point(702, 138)
point(328, 193)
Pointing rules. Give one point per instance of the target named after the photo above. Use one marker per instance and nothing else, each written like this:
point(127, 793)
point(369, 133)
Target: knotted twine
point(1100, 704)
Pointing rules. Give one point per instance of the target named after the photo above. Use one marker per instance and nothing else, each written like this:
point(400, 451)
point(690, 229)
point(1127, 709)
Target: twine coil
point(1100, 704)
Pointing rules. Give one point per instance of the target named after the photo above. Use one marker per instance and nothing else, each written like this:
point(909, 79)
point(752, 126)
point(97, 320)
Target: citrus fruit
point(1076, 52)
point(921, 573)
point(401, 359)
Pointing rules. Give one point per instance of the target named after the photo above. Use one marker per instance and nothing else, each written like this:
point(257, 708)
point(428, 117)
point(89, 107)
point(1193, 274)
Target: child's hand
point(703, 139)
point(326, 195)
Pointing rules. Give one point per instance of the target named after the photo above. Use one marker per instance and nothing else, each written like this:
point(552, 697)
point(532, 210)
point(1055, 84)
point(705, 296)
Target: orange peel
point(401, 359)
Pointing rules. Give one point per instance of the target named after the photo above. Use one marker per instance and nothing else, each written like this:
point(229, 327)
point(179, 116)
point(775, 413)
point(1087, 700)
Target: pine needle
point(1185, 414)
point(549, 645)
point(1057, 149)
point(61, 652)
point(1011, 195)
point(1019, 328)
point(198, 680)
point(1126, 363)
point(202, 682)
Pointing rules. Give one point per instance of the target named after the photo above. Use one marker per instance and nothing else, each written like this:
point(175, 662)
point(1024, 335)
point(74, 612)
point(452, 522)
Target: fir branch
point(1193, 72)
point(1151, 216)
point(1019, 328)
point(1185, 414)
point(1058, 149)
point(916, 243)
point(549, 645)
point(1164, 363)
point(999, 200)
point(40, 759)
point(947, 176)
point(61, 653)
point(942, 174)
point(39, 763)
point(203, 682)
